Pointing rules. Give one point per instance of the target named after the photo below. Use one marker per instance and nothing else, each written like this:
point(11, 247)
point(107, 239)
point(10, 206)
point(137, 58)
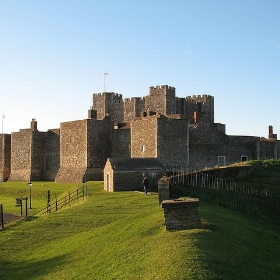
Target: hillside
point(122, 236)
point(259, 174)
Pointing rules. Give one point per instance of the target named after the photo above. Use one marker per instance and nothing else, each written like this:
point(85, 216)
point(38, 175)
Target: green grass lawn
point(122, 236)
point(39, 192)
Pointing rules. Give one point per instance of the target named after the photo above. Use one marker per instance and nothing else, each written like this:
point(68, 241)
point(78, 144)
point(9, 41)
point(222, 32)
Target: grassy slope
point(265, 175)
point(12, 190)
point(122, 236)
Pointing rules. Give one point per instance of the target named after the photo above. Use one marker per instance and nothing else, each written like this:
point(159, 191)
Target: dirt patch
point(10, 217)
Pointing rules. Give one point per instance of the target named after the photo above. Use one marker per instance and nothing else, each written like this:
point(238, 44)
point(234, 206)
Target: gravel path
point(9, 217)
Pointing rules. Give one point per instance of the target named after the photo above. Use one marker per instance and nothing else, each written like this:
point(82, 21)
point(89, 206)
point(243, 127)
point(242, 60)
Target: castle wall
point(161, 100)
point(207, 144)
point(181, 108)
point(203, 103)
point(99, 105)
point(133, 107)
point(99, 147)
point(52, 154)
point(73, 151)
point(144, 138)
point(173, 142)
point(242, 147)
point(116, 112)
point(98, 142)
point(159, 128)
point(20, 155)
point(108, 104)
point(37, 155)
point(5, 157)
point(121, 143)
point(269, 150)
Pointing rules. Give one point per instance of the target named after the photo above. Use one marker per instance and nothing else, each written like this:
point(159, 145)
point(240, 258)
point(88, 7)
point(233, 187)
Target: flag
point(106, 73)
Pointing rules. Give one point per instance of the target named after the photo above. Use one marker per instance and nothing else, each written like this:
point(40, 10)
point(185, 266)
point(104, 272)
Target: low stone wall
point(181, 214)
point(163, 189)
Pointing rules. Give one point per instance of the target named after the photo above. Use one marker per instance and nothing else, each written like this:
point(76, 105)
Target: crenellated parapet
point(108, 94)
point(199, 98)
point(133, 99)
point(161, 99)
point(108, 104)
point(162, 87)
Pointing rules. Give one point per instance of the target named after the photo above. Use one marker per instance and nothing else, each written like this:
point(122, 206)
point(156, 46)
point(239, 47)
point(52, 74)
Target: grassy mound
point(264, 175)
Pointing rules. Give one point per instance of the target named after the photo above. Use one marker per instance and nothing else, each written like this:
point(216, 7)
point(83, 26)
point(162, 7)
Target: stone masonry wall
point(172, 142)
point(73, 151)
point(99, 147)
point(207, 143)
point(5, 157)
point(98, 142)
point(144, 138)
point(133, 108)
point(268, 150)
point(20, 155)
point(161, 100)
point(52, 154)
point(108, 104)
point(37, 155)
point(133, 180)
point(121, 143)
point(181, 214)
point(207, 104)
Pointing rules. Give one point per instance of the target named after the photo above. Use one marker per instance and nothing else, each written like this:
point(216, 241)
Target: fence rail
point(259, 203)
point(66, 201)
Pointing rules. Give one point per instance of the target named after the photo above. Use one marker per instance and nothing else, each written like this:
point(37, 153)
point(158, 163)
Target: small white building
point(123, 174)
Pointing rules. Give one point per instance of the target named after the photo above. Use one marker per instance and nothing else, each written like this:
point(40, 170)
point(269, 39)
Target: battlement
point(166, 87)
point(108, 94)
point(199, 98)
point(133, 99)
point(161, 99)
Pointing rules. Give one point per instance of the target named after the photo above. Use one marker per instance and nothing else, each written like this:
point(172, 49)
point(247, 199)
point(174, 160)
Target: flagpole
point(105, 73)
point(104, 83)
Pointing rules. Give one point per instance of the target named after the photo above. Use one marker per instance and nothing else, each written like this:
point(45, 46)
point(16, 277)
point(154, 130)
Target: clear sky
point(53, 54)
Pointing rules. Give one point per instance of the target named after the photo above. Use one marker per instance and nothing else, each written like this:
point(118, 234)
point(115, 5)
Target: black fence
point(228, 194)
point(66, 201)
point(52, 206)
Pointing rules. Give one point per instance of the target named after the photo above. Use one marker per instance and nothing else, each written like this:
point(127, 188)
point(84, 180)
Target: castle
point(179, 132)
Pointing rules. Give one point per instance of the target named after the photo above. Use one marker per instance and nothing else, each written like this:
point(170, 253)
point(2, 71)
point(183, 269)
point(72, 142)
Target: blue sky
point(53, 55)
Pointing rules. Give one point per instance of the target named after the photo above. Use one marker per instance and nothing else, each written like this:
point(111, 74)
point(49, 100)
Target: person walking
point(145, 184)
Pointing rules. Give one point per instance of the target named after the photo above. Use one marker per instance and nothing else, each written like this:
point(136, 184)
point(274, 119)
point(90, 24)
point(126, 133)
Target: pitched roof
point(134, 164)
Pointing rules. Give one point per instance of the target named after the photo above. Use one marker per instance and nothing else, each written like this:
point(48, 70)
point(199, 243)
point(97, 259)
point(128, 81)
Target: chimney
point(33, 125)
point(270, 133)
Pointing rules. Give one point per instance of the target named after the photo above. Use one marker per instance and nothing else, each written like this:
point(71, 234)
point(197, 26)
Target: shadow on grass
point(30, 269)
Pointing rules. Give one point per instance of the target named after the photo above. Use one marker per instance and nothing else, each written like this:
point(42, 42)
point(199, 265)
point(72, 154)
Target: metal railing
point(52, 206)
